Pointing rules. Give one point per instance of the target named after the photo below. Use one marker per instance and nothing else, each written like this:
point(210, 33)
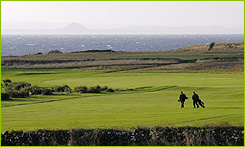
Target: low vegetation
point(11, 89)
point(158, 136)
point(94, 89)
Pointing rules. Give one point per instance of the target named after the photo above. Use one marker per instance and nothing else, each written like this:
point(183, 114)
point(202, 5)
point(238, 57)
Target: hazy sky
point(103, 14)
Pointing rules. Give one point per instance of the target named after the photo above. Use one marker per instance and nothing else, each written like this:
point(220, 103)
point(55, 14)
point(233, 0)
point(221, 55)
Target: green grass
point(153, 102)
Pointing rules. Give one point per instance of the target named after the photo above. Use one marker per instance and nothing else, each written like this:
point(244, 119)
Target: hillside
point(223, 57)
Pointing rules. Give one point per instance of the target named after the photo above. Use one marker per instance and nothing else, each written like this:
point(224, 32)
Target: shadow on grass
point(36, 73)
point(226, 108)
point(205, 119)
point(16, 100)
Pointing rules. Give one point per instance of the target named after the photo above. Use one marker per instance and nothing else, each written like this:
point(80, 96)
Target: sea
point(19, 45)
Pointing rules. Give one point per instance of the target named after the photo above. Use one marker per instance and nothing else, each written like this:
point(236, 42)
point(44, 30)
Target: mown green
point(153, 102)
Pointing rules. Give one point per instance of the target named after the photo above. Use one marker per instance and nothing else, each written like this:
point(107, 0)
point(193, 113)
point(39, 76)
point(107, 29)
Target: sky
point(114, 14)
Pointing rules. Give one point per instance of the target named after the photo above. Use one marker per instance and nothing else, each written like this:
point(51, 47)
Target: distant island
point(76, 28)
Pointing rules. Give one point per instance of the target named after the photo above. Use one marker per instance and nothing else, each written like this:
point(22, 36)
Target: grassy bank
point(224, 57)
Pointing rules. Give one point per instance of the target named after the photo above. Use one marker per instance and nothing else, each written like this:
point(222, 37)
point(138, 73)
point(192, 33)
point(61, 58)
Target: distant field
point(153, 102)
point(222, 58)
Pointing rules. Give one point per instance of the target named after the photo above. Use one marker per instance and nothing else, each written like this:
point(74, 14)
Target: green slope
point(149, 106)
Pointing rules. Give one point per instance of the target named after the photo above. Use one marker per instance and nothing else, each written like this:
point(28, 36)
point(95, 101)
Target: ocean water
point(18, 45)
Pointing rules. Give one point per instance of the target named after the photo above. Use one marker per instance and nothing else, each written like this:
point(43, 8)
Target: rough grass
point(223, 58)
point(152, 103)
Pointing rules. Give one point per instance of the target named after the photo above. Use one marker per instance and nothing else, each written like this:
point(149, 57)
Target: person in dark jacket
point(195, 99)
point(182, 99)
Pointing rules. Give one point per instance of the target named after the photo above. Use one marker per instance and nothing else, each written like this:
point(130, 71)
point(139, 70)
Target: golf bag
point(201, 103)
